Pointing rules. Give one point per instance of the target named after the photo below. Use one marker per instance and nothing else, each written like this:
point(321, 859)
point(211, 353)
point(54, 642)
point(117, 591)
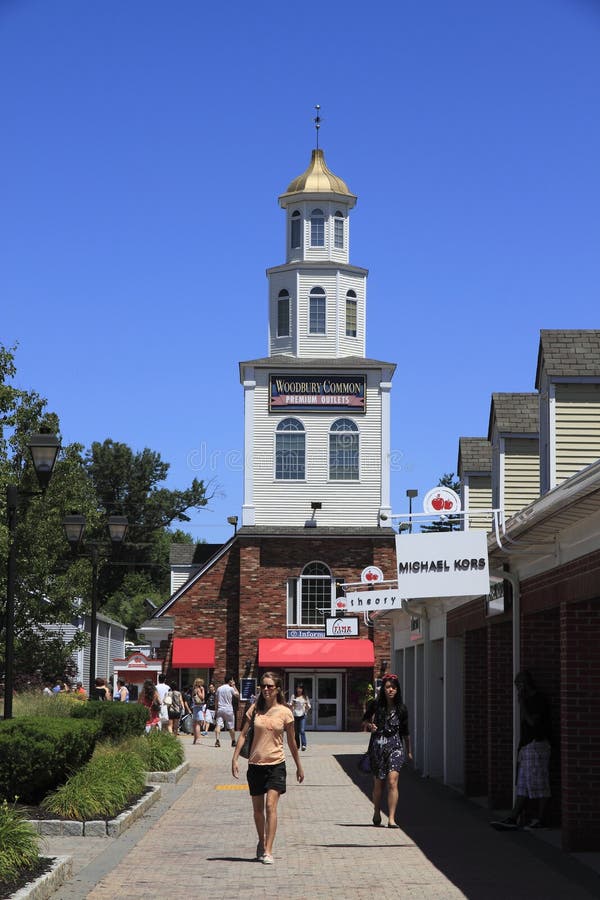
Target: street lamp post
point(44, 450)
point(411, 494)
point(74, 527)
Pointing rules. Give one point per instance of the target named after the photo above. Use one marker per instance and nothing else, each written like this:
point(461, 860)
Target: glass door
point(327, 706)
point(324, 690)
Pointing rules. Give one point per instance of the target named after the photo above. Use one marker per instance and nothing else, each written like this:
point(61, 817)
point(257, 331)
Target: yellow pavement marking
point(231, 787)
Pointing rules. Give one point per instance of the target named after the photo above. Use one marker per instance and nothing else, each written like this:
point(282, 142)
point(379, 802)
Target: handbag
point(364, 764)
point(247, 745)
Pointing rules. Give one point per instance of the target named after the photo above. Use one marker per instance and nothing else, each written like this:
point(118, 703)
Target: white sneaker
point(267, 859)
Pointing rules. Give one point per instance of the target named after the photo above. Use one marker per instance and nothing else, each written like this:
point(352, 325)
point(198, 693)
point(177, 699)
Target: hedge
point(38, 754)
point(117, 720)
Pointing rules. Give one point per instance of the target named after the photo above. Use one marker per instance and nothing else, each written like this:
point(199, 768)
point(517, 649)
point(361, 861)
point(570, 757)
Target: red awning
point(193, 653)
point(315, 654)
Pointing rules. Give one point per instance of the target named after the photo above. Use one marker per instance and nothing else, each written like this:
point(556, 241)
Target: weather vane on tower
point(317, 121)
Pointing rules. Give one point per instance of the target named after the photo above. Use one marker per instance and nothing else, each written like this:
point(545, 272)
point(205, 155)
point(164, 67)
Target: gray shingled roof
point(516, 413)
point(568, 353)
point(191, 554)
point(295, 362)
point(474, 455)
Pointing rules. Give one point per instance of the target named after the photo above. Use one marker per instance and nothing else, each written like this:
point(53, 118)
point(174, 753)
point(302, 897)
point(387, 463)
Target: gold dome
point(318, 179)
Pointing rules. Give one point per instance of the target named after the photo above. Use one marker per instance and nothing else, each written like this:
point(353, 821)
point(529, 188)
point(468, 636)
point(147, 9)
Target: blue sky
point(144, 146)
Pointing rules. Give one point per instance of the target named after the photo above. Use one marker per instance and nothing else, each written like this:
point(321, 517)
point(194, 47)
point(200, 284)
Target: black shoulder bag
point(247, 747)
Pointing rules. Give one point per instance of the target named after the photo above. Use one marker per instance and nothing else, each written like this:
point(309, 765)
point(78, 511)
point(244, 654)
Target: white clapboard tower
point(317, 411)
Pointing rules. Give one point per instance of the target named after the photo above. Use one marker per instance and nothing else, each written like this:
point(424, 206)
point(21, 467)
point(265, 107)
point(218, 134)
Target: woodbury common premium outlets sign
point(444, 564)
point(317, 392)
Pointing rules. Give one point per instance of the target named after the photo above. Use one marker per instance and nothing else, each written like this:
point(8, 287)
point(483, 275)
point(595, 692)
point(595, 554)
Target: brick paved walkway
point(199, 841)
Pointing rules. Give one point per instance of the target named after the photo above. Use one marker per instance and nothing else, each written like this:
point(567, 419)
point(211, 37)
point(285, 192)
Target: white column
point(248, 509)
point(385, 504)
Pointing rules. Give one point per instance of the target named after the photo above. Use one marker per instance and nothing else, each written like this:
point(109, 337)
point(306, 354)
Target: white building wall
point(344, 502)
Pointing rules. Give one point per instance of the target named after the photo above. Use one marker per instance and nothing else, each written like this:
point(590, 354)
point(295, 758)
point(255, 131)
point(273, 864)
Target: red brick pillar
point(580, 724)
point(475, 700)
point(500, 713)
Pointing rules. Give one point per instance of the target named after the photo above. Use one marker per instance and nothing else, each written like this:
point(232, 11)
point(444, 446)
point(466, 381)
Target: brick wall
point(540, 654)
point(580, 724)
point(499, 710)
point(475, 700)
point(243, 598)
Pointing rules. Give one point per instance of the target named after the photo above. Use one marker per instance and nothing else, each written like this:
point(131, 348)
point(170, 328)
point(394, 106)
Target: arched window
point(283, 314)
point(296, 230)
point(290, 451)
point(317, 320)
point(315, 593)
point(338, 231)
point(351, 314)
point(343, 451)
point(317, 228)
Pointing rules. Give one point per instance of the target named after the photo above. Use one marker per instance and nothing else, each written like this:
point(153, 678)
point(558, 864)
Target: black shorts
point(266, 778)
point(174, 714)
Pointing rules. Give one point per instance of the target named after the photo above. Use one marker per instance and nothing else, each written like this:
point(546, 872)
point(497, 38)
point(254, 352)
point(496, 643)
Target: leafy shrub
point(117, 720)
point(38, 754)
point(19, 844)
point(159, 750)
point(102, 788)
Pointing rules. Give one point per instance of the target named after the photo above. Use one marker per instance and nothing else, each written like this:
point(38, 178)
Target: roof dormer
point(474, 470)
point(568, 379)
point(514, 437)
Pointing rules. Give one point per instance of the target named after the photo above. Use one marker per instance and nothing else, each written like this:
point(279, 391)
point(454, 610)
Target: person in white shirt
point(224, 711)
point(162, 689)
point(300, 706)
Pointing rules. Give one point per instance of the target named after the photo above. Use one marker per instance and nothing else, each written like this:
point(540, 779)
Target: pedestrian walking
point(300, 706)
point(386, 717)
point(227, 695)
point(209, 709)
point(266, 774)
point(197, 706)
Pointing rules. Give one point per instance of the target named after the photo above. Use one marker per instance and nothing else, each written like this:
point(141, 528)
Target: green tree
point(445, 523)
point(44, 591)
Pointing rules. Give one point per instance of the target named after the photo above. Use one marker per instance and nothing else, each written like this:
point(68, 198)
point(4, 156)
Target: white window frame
point(283, 296)
point(317, 228)
point(353, 449)
point(317, 295)
point(338, 231)
point(280, 432)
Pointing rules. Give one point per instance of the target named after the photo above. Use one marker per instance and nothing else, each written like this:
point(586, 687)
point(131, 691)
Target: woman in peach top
point(266, 764)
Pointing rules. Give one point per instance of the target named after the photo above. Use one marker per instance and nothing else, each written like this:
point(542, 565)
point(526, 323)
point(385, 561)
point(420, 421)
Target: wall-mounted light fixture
point(312, 522)
point(233, 520)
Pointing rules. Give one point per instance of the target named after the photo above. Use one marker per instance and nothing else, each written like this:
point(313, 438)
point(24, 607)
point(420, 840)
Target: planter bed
point(41, 882)
point(49, 825)
point(171, 777)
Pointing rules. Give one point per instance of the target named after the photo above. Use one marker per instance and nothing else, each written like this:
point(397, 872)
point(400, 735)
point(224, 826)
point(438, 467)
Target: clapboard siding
point(480, 497)
point(577, 428)
point(287, 502)
point(521, 473)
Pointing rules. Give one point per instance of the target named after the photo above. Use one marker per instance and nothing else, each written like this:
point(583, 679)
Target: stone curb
point(44, 886)
point(97, 828)
point(171, 777)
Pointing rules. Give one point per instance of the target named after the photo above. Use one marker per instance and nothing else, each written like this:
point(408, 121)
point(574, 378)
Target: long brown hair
point(261, 705)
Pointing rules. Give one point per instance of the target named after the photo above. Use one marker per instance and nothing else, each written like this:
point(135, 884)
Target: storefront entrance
point(324, 689)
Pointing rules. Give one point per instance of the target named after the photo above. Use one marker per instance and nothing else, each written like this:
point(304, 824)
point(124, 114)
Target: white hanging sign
point(368, 601)
point(441, 500)
point(371, 574)
point(443, 564)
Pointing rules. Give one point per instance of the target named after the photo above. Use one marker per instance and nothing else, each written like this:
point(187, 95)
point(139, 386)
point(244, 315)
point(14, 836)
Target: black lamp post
point(411, 494)
point(74, 527)
point(44, 450)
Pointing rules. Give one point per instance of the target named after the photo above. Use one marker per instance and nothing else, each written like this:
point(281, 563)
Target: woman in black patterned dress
point(389, 748)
